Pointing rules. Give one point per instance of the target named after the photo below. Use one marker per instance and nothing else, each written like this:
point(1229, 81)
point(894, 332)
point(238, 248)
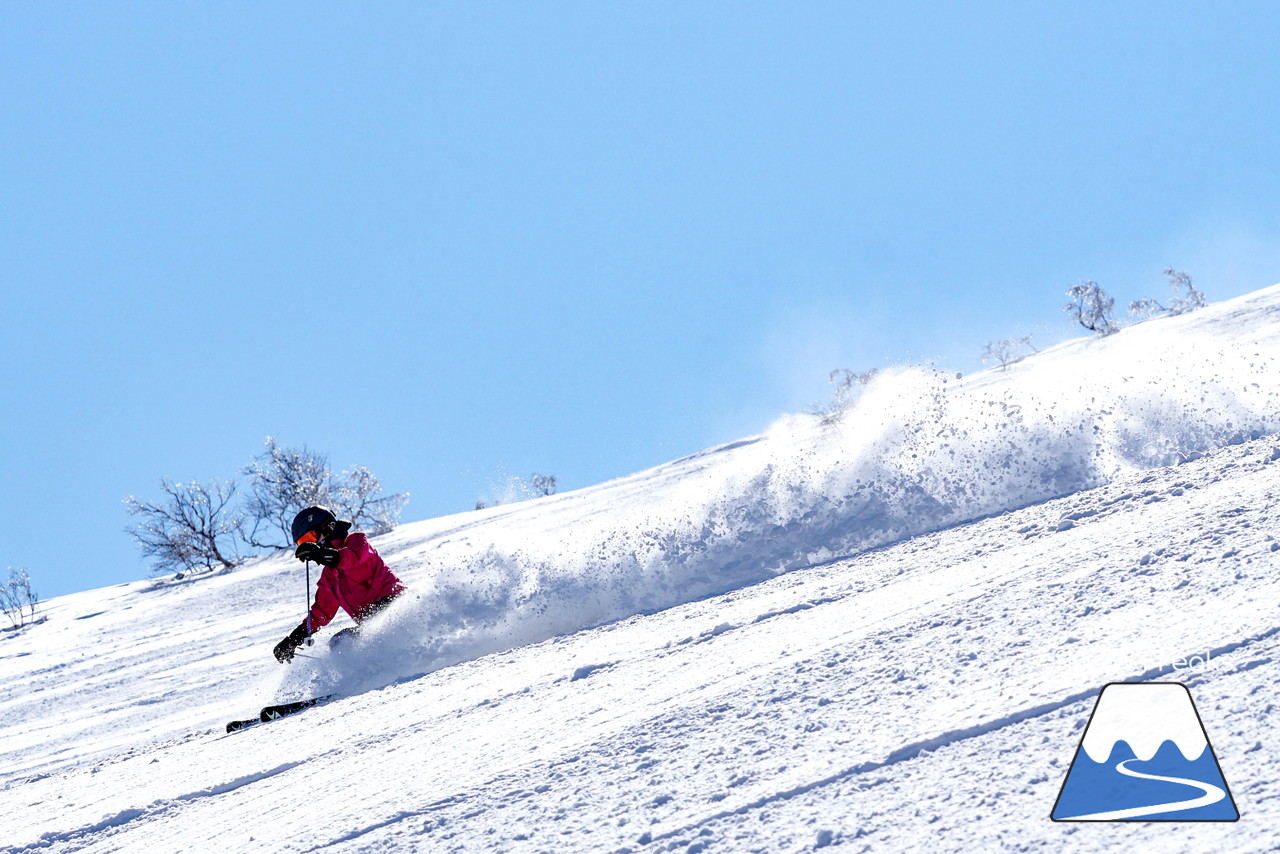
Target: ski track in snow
point(927, 691)
point(72, 837)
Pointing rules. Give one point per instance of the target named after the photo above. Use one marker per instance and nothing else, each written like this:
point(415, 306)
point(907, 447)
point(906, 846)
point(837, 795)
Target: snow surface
point(879, 635)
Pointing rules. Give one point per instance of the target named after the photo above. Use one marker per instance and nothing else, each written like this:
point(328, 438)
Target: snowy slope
point(882, 635)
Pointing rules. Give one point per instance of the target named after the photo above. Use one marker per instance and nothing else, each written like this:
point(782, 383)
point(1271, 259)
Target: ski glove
point(318, 553)
point(285, 649)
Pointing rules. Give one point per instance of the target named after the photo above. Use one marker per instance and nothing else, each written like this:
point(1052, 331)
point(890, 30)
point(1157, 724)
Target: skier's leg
point(343, 638)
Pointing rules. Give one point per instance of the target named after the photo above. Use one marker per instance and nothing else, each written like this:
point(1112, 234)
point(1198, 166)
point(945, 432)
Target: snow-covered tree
point(194, 527)
point(848, 385)
point(1091, 308)
point(18, 599)
point(1185, 298)
point(1145, 308)
point(1006, 351)
point(543, 484)
point(282, 481)
point(285, 480)
point(355, 498)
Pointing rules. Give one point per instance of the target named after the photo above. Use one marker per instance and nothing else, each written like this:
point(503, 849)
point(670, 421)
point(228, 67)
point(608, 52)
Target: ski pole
point(310, 642)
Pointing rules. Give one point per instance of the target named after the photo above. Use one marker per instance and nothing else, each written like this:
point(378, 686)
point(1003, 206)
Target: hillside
point(877, 635)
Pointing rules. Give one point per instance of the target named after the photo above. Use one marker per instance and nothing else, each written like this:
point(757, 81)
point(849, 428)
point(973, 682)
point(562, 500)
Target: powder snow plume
point(919, 451)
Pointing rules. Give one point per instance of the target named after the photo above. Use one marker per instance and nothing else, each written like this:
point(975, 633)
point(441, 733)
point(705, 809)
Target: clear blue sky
point(447, 240)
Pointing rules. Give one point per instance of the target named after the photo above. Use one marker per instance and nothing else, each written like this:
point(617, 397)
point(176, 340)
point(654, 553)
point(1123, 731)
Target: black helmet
point(311, 519)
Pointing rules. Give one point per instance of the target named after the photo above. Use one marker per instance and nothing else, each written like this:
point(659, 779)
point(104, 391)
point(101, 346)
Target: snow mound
point(919, 451)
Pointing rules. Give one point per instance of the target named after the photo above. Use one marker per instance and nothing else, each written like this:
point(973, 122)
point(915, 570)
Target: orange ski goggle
point(309, 537)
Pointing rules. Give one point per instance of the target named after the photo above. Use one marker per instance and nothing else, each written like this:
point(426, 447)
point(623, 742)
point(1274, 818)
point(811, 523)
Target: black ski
point(275, 713)
point(236, 726)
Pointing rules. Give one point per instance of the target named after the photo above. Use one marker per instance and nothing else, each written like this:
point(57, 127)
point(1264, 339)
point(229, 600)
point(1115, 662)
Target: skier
point(354, 577)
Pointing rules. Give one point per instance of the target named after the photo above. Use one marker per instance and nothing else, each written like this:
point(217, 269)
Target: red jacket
point(359, 580)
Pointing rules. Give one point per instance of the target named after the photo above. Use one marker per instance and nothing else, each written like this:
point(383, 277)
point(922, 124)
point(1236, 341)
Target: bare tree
point(18, 599)
point(282, 482)
point(355, 497)
point(1091, 308)
point(543, 483)
point(1006, 351)
point(195, 527)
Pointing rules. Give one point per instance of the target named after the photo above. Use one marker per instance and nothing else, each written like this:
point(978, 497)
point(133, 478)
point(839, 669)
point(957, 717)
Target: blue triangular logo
point(1145, 756)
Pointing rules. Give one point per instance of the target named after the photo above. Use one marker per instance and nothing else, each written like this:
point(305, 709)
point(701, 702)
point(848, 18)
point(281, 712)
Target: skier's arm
point(322, 555)
point(284, 650)
point(356, 551)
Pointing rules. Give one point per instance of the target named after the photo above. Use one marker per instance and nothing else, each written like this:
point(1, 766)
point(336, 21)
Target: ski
point(274, 713)
point(236, 726)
